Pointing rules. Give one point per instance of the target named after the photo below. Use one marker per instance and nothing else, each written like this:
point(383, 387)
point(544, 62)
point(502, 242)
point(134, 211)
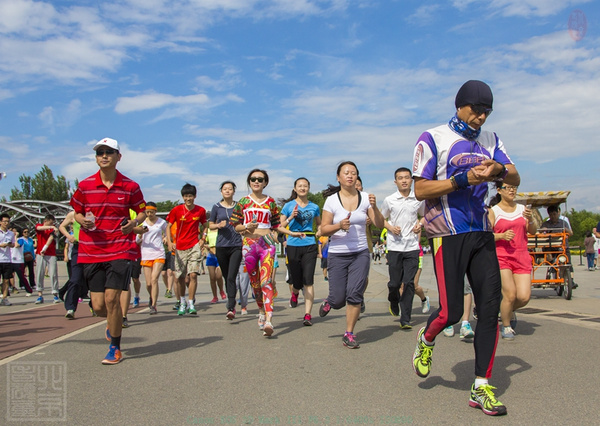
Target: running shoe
point(422, 356)
point(181, 310)
point(136, 301)
point(507, 333)
point(326, 278)
point(261, 321)
point(215, 300)
point(153, 310)
point(14, 290)
point(113, 356)
point(425, 305)
point(56, 299)
point(483, 397)
point(349, 341)
point(176, 306)
point(466, 332)
point(405, 326)
point(125, 323)
point(513, 321)
point(293, 300)
point(5, 302)
point(223, 295)
point(244, 311)
point(449, 331)
point(39, 300)
point(307, 320)
point(394, 309)
point(268, 329)
point(70, 314)
point(192, 309)
point(107, 334)
point(231, 314)
point(324, 308)
point(168, 294)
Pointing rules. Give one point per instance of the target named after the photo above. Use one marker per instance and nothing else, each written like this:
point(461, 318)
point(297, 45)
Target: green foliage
point(43, 186)
point(165, 206)
point(582, 221)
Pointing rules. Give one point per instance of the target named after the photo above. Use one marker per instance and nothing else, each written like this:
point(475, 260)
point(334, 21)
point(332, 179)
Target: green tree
point(43, 186)
point(165, 206)
point(581, 221)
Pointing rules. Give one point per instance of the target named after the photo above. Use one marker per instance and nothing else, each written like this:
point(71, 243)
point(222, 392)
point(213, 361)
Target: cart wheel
point(551, 275)
point(568, 285)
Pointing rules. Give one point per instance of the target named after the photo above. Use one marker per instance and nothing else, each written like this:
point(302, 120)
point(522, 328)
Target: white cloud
point(526, 8)
point(156, 100)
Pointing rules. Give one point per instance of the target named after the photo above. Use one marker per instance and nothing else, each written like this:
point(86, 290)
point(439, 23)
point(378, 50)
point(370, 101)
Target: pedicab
point(548, 248)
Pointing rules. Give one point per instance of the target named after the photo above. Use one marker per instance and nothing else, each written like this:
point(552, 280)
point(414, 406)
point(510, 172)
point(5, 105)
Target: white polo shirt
point(403, 212)
point(6, 237)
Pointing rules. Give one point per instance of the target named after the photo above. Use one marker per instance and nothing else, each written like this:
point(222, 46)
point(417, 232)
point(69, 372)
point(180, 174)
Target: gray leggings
point(348, 274)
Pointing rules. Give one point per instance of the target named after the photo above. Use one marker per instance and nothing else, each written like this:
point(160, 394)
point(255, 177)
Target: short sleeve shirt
point(247, 210)
point(43, 236)
point(403, 212)
point(356, 238)
point(227, 237)
point(303, 222)
point(188, 225)
point(152, 241)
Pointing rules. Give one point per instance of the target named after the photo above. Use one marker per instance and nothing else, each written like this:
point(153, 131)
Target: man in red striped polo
point(106, 241)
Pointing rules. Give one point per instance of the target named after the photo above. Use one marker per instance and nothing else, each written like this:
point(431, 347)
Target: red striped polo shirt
point(109, 206)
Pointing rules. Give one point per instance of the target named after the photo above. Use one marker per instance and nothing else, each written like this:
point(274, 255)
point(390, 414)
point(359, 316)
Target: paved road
point(206, 370)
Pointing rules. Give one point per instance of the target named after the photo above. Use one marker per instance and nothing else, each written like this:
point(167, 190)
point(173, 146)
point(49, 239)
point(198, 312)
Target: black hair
point(496, 198)
point(228, 182)
point(50, 217)
point(264, 173)
point(151, 204)
point(331, 189)
point(294, 194)
point(188, 189)
point(552, 209)
point(402, 169)
point(3, 215)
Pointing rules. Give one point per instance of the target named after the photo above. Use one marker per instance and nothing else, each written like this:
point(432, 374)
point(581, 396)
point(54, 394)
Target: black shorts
point(115, 274)
point(323, 263)
point(301, 264)
point(136, 268)
point(169, 261)
point(6, 270)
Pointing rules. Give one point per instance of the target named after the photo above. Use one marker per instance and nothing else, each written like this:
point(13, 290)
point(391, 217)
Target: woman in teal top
point(299, 214)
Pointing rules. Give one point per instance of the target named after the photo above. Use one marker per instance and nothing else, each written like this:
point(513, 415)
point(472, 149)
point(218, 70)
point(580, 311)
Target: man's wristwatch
point(502, 174)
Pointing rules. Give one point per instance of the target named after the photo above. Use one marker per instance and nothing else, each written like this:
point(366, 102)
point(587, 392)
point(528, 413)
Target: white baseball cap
point(111, 143)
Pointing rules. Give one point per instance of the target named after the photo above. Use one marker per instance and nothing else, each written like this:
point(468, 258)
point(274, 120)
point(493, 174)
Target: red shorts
point(519, 262)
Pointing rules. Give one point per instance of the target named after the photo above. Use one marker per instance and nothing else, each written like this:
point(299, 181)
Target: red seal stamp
point(577, 25)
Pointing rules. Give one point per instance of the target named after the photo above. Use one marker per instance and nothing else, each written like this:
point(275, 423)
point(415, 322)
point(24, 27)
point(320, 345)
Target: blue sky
point(202, 91)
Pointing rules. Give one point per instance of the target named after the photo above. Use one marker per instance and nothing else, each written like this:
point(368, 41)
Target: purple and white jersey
point(441, 153)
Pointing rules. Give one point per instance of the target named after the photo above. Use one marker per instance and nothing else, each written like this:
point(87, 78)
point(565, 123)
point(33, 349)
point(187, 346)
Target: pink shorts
point(519, 262)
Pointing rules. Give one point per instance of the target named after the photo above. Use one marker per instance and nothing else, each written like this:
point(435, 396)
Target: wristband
point(462, 180)
point(502, 174)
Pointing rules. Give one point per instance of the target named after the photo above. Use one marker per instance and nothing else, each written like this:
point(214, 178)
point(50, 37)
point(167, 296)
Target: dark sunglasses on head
point(101, 152)
point(481, 109)
point(259, 179)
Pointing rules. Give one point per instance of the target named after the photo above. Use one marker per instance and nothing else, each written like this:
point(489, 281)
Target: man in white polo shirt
point(401, 212)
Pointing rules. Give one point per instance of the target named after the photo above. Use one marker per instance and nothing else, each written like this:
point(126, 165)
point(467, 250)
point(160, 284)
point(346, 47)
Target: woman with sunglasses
point(255, 216)
point(300, 213)
point(345, 216)
point(512, 222)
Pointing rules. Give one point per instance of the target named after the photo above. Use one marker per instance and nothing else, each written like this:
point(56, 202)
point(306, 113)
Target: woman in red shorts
point(511, 223)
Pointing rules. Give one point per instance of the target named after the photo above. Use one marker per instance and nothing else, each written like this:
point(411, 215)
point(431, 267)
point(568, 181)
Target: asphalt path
point(207, 370)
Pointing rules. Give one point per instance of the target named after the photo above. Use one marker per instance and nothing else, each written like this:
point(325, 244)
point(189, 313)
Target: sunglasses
point(481, 109)
point(510, 188)
point(257, 179)
point(101, 152)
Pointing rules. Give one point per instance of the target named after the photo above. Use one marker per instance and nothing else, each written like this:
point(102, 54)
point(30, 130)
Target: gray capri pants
point(348, 274)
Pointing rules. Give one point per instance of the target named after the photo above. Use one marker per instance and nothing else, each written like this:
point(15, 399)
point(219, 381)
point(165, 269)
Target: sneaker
point(214, 300)
point(449, 331)
point(5, 302)
point(231, 314)
point(223, 295)
point(394, 309)
point(181, 310)
point(268, 329)
point(484, 398)
point(294, 300)
point(176, 306)
point(113, 356)
point(28, 294)
point(307, 320)
point(349, 341)
point(507, 333)
point(70, 314)
point(14, 290)
point(192, 309)
point(153, 310)
point(425, 306)
point(422, 356)
point(261, 321)
point(56, 299)
point(39, 300)
point(168, 294)
point(513, 321)
point(362, 307)
point(405, 326)
point(125, 323)
point(136, 301)
point(244, 311)
point(326, 278)
point(324, 308)
point(107, 334)
point(466, 332)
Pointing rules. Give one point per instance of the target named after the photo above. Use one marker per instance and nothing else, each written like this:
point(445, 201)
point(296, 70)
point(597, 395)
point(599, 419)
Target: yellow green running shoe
point(422, 356)
point(484, 398)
